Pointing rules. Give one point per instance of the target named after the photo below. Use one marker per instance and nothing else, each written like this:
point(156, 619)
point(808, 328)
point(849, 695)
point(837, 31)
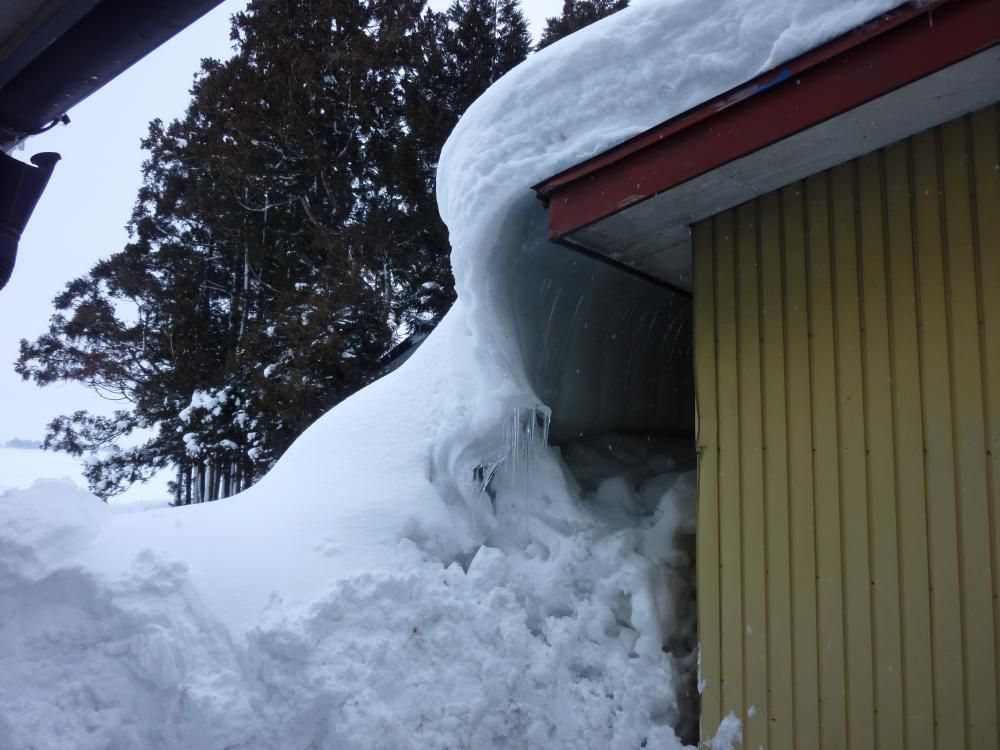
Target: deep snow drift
point(421, 569)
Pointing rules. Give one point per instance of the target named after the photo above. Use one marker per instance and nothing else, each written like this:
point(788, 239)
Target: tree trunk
point(216, 480)
point(179, 487)
point(199, 483)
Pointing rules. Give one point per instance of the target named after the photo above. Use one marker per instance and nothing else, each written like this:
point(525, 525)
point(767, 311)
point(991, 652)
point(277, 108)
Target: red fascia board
point(767, 80)
point(871, 61)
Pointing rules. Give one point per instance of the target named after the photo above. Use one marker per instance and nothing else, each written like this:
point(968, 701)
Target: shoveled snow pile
point(421, 569)
point(504, 649)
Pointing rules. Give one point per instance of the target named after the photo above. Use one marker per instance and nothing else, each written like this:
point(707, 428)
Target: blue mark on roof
point(783, 75)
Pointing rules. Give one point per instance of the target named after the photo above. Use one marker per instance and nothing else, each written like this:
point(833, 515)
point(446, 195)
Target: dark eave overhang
point(858, 67)
point(75, 50)
point(54, 54)
point(44, 22)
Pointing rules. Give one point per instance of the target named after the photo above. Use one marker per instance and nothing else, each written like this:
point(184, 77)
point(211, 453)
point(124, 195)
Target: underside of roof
point(916, 68)
point(55, 53)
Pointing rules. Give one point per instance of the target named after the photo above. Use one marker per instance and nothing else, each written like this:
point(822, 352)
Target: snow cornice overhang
point(862, 65)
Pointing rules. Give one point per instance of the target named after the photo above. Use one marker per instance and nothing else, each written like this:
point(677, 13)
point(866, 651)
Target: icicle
point(526, 436)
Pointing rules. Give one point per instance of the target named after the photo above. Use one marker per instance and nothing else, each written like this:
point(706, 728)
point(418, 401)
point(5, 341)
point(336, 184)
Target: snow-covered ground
point(350, 606)
point(421, 569)
point(20, 467)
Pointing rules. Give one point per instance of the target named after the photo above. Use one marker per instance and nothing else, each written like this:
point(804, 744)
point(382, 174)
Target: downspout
point(21, 186)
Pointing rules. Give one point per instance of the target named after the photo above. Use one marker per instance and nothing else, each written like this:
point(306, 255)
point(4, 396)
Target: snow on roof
point(368, 592)
point(569, 102)
point(607, 83)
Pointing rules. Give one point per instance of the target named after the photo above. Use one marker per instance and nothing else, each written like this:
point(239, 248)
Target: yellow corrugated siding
point(847, 364)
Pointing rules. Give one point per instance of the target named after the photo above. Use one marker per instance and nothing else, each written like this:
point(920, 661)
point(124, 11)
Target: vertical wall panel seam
point(788, 476)
point(974, 167)
point(950, 365)
point(701, 594)
point(718, 454)
point(810, 333)
point(716, 447)
point(738, 302)
point(859, 249)
point(893, 405)
point(812, 445)
point(838, 422)
point(759, 272)
point(718, 462)
point(992, 478)
point(914, 233)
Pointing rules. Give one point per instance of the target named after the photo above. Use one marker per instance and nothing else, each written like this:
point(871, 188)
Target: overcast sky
point(82, 215)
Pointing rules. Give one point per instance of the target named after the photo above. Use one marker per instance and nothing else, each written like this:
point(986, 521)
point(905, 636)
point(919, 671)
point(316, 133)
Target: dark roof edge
point(33, 37)
point(110, 38)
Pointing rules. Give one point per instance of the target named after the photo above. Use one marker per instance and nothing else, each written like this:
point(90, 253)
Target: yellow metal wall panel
point(799, 462)
point(709, 609)
point(826, 464)
point(754, 583)
point(969, 438)
point(802, 513)
point(939, 469)
point(850, 405)
point(985, 136)
point(848, 340)
point(730, 507)
point(908, 451)
point(886, 623)
point(780, 706)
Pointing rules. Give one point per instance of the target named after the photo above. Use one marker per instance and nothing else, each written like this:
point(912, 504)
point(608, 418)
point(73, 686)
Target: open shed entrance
point(615, 363)
point(610, 356)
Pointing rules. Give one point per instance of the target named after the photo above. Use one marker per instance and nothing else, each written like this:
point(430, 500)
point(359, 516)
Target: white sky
point(82, 215)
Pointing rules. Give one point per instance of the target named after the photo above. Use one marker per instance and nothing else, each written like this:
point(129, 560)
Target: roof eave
point(62, 63)
point(864, 64)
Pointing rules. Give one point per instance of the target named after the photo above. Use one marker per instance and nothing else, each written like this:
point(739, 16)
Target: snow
point(20, 467)
point(203, 400)
point(404, 577)
point(729, 734)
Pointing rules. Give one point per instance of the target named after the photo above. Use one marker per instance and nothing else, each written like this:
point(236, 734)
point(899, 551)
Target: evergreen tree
point(463, 51)
point(284, 237)
point(484, 39)
point(577, 14)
